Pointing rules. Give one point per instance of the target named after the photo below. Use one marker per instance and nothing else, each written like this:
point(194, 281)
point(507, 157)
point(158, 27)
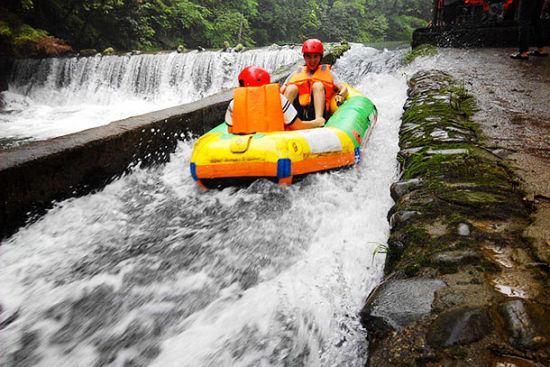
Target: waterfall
point(57, 96)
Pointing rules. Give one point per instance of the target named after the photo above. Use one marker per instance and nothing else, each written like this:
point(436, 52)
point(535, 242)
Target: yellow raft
point(220, 157)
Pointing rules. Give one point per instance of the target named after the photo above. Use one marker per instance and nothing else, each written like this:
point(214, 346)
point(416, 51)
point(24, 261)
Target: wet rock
point(410, 151)
point(458, 327)
point(180, 49)
point(399, 302)
point(448, 151)
point(402, 217)
point(398, 189)
point(440, 134)
point(108, 51)
point(463, 229)
point(522, 329)
point(393, 254)
point(87, 52)
point(458, 257)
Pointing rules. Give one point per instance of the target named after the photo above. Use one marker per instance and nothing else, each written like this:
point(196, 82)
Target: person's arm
point(339, 88)
point(341, 92)
point(229, 116)
point(285, 83)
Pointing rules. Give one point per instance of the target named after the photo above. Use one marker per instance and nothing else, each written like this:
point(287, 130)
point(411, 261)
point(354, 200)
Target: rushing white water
point(152, 271)
point(58, 96)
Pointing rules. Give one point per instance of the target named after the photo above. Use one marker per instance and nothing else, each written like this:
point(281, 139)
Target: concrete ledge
point(36, 174)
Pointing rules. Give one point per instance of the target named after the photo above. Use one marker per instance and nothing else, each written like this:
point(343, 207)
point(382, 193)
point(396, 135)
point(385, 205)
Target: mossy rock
point(239, 48)
point(474, 199)
point(420, 51)
point(108, 51)
point(335, 53)
point(22, 40)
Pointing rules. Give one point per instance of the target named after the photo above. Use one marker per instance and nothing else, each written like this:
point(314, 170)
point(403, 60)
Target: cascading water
point(57, 96)
point(152, 271)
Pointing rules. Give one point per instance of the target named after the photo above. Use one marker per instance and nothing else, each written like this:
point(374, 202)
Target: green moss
point(5, 30)
point(455, 218)
point(420, 51)
point(415, 235)
point(27, 34)
point(474, 199)
point(20, 39)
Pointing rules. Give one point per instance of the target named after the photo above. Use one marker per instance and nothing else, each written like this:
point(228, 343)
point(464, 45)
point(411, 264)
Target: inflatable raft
point(222, 158)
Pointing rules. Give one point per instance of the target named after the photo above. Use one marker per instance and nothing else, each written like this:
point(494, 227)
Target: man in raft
point(273, 113)
point(314, 84)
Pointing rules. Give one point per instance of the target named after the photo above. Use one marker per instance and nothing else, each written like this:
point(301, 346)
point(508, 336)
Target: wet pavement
point(514, 113)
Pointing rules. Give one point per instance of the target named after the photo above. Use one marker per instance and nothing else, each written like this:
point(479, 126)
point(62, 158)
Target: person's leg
point(291, 92)
point(525, 10)
point(318, 90)
point(537, 24)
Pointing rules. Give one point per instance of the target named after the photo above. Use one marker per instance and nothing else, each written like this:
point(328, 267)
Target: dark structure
point(473, 23)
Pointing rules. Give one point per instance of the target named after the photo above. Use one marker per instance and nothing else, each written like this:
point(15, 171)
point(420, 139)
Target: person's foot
point(319, 122)
point(520, 56)
point(538, 53)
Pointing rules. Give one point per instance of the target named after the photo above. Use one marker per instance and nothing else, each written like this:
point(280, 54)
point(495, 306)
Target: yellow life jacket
point(257, 109)
point(304, 80)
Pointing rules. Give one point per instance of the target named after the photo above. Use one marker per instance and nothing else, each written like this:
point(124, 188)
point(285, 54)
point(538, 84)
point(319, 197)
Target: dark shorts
point(307, 113)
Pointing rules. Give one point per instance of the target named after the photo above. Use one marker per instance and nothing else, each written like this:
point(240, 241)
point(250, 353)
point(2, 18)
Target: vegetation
point(157, 24)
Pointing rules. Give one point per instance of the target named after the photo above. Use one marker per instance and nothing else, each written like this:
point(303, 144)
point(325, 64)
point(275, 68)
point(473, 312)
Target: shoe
point(519, 56)
point(537, 53)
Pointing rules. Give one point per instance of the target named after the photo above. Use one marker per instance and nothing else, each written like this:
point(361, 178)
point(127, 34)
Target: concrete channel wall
point(34, 175)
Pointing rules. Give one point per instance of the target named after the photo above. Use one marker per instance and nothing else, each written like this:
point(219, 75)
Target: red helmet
point(254, 76)
point(313, 46)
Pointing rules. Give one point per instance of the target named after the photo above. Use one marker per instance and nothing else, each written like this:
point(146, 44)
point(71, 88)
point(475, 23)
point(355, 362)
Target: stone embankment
point(463, 286)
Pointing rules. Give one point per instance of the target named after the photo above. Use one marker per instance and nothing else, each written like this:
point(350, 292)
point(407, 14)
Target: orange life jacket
point(304, 80)
point(257, 109)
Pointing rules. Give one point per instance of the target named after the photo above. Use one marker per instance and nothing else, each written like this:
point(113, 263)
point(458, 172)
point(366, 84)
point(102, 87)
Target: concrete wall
point(35, 174)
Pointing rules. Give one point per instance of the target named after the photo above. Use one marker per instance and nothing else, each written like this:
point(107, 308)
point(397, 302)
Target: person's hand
point(283, 88)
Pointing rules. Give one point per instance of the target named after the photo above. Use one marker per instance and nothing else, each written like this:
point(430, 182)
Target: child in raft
point(273, 109)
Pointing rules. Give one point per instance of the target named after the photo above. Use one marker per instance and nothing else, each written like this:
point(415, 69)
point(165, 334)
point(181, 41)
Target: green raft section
point(357, 113)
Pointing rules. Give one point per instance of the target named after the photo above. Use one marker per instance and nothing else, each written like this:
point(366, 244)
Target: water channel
point(151, 271)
